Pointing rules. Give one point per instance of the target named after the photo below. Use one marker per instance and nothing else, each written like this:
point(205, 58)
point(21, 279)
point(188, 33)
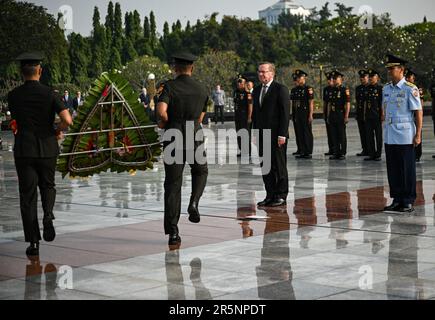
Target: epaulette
point(410, 84)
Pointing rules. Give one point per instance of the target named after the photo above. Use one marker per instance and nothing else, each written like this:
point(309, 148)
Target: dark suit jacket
point(68, 103)
point(76, 102)
point(274, 114)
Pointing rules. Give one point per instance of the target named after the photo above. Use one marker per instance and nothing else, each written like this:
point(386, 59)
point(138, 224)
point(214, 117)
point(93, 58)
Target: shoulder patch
point(416, 93)
point(410, 84)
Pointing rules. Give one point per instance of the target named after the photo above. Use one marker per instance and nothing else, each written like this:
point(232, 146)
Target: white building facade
point(272, 13)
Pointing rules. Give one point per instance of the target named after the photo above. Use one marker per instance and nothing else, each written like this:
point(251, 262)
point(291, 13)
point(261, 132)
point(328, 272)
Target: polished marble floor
point(332, 241)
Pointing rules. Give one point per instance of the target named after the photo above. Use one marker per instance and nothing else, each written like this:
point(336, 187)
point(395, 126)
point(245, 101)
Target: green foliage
point(138, 70)
point(26, 27)
point(86, 120)
point(218, 68)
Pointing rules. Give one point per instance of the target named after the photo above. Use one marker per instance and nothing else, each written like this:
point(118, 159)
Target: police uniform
point(33, 107)
point(400, 101)
point(327, 97)
point(186, 99)
point(418, 149)
point(373, 119)
point(242, 102)
point(301, 96)
point(361, 101)
point(336, 118)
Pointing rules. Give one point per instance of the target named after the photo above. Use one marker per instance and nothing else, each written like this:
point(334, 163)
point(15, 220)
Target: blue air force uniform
point(399, 102)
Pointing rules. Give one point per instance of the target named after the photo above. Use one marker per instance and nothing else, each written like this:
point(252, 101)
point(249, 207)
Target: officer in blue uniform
point(401, 102)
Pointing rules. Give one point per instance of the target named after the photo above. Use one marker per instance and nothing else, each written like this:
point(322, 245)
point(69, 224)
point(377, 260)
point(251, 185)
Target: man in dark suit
point(68, 102)
point(78, 101)
point(272, 112)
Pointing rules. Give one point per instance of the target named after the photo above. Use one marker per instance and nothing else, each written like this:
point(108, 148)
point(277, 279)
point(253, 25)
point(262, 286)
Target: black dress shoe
point(362, 154)
point(49, 232)
point(417, 160)
point(194, 216)
point(333, 157)
point(174, 239)
point(329, 153)
point(341, 158)
point(33, 249)
point(297, 153)
point(304, 156)
point(265, 202)
point(393, 207)
point(278, 202)
point(407, 208)
point(377, 159)
point(433, 157)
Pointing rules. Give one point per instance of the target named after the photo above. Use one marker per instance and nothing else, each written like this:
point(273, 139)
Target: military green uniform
point(186, 100)
point(336, 116)
point(373, 114)
point(242, 100)
point(301, 97)
point(33, 106)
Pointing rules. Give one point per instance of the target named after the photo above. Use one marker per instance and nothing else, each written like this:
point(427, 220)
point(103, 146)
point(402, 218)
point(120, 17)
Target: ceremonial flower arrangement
point(108, 132)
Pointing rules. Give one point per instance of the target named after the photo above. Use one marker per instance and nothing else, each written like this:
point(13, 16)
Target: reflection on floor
point(331, 241)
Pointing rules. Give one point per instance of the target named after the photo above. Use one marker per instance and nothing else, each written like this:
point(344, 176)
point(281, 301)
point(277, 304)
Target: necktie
point(263, 93)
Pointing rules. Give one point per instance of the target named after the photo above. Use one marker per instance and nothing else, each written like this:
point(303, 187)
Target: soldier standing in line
point(302, 97)
point(327, 96)
point(361, 100)
point(338, 116)
point(243, 115)
point(374, 116)
point(411, 76)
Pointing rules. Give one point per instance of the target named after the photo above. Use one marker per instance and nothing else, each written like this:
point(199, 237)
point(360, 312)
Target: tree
point(98, 46)
point(118, 33)
point(78, 53)
point(218, 67)
point(342, 10)
point(325, 13)
point(110, 23)
point(17, 19)
point(128, 51)
point(138, 70)
point(153, 31)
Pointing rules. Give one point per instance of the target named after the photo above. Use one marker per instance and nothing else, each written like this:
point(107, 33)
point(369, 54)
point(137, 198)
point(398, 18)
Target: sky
point(402, 11)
